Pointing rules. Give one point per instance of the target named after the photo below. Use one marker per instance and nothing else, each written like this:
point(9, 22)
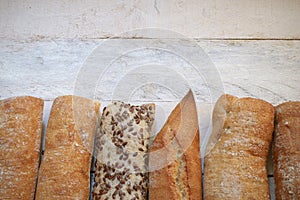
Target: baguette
point(286, 151)
point(121, 149)
point(20, 139)
point(65, 168)
point(236, 155)
point(175, 164)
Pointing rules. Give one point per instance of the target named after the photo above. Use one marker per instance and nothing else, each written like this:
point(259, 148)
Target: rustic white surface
point(192, 18)
point(49, 68)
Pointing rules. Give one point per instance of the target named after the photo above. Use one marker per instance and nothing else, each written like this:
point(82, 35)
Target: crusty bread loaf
point(236, 154)
point(174, 163)
point(121, 148)
point(20, 139)
point(65, 168)
point(286, 151)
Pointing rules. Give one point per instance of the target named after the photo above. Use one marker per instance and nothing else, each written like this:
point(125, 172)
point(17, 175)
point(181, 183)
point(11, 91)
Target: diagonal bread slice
point(20, 139)
point(174, 160)
point(121, 148)
point(65, 169)
point(236, 155)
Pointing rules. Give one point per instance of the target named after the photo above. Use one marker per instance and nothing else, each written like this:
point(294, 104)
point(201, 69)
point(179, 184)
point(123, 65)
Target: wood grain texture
point(192, 18)
point(20, 141)
point(49, 68)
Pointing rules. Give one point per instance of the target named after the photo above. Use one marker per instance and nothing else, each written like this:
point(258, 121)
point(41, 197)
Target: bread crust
point(236, 155)
point(286, 151)
point(175, 163)
point(65, 168)
point(121, 148)
point(20, 139)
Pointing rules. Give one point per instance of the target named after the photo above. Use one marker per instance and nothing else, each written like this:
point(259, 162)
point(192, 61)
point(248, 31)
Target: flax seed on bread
point(121, 150)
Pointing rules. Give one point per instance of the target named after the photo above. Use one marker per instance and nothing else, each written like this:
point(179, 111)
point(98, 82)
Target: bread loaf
point(20, 139)
point(121, 149)
point(286, 151)
point(236, 154)
point(174, 163)
point(65, 168)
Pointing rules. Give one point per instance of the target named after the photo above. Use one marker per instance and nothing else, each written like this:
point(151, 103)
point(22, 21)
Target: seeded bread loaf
point(286, 151)
point(121, 149)
point(20, 139)
point(174, 163)
point(236, 155)
point(65, 168)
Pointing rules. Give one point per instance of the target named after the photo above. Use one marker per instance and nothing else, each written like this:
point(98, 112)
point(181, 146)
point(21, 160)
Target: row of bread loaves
point(131, 163)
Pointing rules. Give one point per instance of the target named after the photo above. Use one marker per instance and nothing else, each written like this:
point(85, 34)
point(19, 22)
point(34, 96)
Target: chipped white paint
point(193, 18)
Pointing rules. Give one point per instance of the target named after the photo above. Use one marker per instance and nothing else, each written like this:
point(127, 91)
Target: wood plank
point(49, 68)
point(192, 18)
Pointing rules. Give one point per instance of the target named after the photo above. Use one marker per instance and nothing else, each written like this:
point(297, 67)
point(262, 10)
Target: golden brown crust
point(20, 138)
point(65, 168)
point(236, 157)
point(286, 151)
point(175, 165)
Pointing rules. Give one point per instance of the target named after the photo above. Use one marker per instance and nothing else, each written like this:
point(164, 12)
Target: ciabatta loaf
point(174, 163)
point(20, 139)
point(65, 168)
point(121, 149)
point(286, 151)
point(236, 155)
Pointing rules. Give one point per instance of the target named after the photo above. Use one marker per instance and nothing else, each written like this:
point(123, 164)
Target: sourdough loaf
point(65, 168)
point(236, 154)
point(121, 149)
point(20, 139)
point(174, 163)
point(286, 151)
